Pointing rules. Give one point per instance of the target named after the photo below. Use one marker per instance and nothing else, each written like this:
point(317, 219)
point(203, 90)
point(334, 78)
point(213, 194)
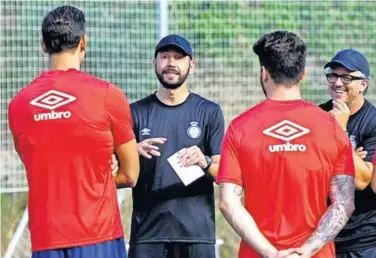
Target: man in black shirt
point(171, 219)
point(348, 77)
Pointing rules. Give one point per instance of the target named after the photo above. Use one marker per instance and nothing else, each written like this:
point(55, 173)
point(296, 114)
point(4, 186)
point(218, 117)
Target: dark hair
point(62, 28)
point(283, 54)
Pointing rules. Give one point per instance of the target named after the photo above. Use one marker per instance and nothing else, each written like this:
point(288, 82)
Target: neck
point(64, 61)
point(282, 93)
point(172, 97)
point(356, 105)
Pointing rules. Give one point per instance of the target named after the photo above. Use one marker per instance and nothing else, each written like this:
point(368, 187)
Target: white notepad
point(186, 174)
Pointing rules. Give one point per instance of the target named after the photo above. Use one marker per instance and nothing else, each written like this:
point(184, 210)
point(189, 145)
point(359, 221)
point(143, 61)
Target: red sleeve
point(344, 163)
point(229, 168)
point(119, 113)
point(11, 124)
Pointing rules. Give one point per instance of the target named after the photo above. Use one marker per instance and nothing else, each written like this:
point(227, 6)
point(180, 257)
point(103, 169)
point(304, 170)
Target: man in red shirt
point(288, 156)
point(65, 126)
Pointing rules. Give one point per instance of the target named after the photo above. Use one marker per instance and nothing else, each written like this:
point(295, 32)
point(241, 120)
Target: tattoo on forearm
point(336, 216)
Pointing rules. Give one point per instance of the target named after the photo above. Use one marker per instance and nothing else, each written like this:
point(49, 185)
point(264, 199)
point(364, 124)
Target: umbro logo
point(145, 131)
point(286, 131)
point(51, 100)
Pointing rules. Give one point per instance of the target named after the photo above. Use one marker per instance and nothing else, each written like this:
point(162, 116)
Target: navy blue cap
point(352, 60)
point(174, 41)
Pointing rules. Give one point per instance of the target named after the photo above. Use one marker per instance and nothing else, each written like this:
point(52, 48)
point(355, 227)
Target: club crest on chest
point(193, 130)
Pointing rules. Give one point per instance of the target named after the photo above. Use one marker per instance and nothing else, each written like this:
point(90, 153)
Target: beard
point(171, 86)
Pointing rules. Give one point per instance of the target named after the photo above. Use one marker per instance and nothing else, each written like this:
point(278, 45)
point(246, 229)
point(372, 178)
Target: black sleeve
point(327, 106)
point(216, 130)
point(135, 120)
point(369, 142)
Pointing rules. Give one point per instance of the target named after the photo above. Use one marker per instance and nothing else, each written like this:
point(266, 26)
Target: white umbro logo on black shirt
point(145, 131)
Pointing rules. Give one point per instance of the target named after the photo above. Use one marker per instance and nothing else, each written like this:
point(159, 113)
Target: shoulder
point(321, 109)
point(255, 115)
point(370, 117)
point(370, 109)
point(204, 103)
point(86, 78)
point(25, 93)
point(327, 106)
point(143, 103)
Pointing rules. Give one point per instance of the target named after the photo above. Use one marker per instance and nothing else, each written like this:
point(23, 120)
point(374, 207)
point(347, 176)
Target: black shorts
point(370, 252)
point(171, 250)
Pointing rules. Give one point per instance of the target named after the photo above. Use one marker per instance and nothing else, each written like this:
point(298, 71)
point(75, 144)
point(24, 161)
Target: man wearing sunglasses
point(348, 78)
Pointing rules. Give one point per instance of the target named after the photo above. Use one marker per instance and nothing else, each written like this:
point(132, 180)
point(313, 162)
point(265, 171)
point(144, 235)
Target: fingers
point(144, 153)
point(191, 160)
point(361, 153)
point(114, 165)
point(156, 140)
point(190, 156)
point(287, 252)
point(340, 105)
point(155, 153)
point(147, 148)
point(186, 153)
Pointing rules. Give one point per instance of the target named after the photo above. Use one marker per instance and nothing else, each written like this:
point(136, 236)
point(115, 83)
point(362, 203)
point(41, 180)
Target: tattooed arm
point(336, 216)
point(242, 222)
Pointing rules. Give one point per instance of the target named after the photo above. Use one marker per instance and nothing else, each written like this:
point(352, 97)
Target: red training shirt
point(65, 125)
point(284, 154)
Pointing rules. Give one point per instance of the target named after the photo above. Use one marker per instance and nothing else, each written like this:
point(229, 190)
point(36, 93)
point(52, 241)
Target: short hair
point(62, 28)
point(283, 54)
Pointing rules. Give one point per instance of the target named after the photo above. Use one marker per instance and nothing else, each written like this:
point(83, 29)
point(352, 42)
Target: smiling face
point(351, 90)
point(172, 68)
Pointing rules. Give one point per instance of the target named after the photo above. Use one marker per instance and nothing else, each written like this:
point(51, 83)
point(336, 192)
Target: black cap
point(352, 60)
point(174, 41)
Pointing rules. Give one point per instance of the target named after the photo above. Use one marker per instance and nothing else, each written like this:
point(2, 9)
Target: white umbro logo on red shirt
point(51, 100)
point(286, 131)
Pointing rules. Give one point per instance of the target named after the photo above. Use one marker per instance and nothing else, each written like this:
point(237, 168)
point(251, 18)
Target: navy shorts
point(171, 250)
point(113, 249)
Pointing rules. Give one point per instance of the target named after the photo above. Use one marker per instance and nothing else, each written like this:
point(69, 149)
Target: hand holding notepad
point(186, 174)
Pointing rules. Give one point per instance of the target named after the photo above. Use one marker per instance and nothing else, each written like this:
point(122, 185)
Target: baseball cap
point(174, 41)
point(352, 60)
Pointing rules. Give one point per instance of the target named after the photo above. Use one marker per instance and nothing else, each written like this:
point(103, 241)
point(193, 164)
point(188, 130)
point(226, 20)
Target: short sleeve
point(215, 133)
point(344, 164)
point(11, 124)
point(229, 165)
point(369, 144)
point(118, 111)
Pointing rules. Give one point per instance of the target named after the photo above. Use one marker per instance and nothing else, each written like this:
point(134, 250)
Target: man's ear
point(154, 62)
point(304, 74)
point(83, 43)
point(43, 45)
point(363, 86)
point(264, 75)
point(192, 66)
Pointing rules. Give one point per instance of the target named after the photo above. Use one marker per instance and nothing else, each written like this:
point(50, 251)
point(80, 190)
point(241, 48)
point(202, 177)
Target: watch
point(209, 161)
